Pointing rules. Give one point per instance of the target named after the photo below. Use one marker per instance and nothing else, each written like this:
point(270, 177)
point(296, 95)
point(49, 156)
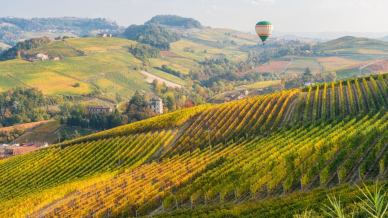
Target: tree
point(138, 99)
point(329, 76)
point(23, 105)
point(307, 75)
point(143, 51)
point(170, 102)
point(151, 34)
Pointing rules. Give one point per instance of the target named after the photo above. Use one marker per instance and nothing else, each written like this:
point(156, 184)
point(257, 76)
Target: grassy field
point(199, 51)
point(275, 66)
point(299, 64)
point(338, 63)
point(24, 126)
point(214, 35)
point(261, 84)
point(106, 65)
point(167, 76)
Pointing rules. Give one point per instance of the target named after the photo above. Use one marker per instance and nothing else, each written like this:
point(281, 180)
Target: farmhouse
point(308, 83)
point(243, 94)
point(156, 105)
point(99, 109)
point(105, 35)
point(42, 57)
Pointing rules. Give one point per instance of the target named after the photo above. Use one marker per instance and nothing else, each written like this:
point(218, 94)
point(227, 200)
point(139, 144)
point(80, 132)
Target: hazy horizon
point(299, 16)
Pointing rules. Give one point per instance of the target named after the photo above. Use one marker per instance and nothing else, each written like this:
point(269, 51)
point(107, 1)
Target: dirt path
point(24, 126)
point(151, 78)
point(50, 207)
point(369, 64)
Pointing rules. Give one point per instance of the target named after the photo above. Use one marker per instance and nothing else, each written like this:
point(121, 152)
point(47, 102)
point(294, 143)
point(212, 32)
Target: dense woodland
point(23, 105)
point(174, 21)
point(154, 35)
point(23, 46)
point(143, 51)
point(78, 115)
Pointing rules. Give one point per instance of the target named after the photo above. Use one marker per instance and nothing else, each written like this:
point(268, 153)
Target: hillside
point(204, 63)
point(105, 66)
point(260, 147)
point(105, 60)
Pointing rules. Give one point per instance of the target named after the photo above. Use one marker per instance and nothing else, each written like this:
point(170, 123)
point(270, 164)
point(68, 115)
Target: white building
point(156, 105)
point(42, 57)
point(99, 110)
point(105, 35)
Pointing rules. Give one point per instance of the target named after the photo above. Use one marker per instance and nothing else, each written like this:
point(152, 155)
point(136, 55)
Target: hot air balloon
point(264, 30)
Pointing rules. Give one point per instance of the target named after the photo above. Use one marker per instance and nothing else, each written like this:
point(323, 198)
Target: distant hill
point(174, 21)
point(385, 38)
point(350, 44)
point(3, 46)
point(29, 48)
point(159, 32)
point(113, 68)
point(13, 29)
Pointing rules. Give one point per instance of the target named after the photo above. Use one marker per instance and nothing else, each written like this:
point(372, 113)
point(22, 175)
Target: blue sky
point(287, 15)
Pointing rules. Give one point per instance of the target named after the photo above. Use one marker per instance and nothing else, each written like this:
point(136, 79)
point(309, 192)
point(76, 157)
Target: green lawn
point(261, 84)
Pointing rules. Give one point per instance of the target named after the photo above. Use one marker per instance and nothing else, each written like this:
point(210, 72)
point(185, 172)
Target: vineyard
point(287, 143)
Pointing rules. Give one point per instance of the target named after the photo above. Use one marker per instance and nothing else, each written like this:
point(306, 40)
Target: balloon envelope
point(264, 30)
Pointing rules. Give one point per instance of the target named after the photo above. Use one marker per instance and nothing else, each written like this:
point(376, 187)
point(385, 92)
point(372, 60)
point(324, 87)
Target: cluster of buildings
point(156, 105)
point(42, 57)
point(9, 150)
point(105, 35)
point(236, 95)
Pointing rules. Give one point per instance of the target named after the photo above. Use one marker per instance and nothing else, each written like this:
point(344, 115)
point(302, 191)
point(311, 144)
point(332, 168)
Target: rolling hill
point(280, 147)
point(104, 65)
point(105, 69)
point(349, 45)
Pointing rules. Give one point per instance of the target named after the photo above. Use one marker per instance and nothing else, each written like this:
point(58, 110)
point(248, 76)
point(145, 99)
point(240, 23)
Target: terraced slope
point(258, 147)
point(280, 206)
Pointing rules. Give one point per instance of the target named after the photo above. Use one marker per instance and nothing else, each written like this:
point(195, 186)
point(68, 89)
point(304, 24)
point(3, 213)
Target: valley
point(171, 118)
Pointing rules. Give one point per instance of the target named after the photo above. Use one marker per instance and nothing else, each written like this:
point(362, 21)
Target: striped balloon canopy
point(264, 30)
